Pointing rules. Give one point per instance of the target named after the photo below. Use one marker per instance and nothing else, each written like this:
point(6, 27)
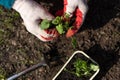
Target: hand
point(31, 13)
point(77, 8)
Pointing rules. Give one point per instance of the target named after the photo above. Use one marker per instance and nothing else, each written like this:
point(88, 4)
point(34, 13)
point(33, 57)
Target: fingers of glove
point(44, 38)
point(35, 29)
point(71, 32)
point(52, 32)
point(79, 7)
point(52, 35)
point(79, 19)
point(80, 13)
point(70, 6)
point(76, 25)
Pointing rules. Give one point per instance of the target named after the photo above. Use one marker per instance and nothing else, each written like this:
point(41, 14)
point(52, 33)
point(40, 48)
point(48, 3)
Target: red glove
point(52, 34)
point(79, 9)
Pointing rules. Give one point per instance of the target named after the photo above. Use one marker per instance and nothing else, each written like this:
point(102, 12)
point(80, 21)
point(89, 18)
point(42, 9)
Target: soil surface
point(99, 37)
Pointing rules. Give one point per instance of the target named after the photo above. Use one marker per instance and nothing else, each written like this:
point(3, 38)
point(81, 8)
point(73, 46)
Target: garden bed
point(99, 37)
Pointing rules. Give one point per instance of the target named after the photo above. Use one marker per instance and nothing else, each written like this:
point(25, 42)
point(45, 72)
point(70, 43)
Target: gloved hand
point(31, 13)
point(79, 9)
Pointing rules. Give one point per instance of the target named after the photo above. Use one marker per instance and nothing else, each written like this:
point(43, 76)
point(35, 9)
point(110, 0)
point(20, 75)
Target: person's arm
point(7, 3)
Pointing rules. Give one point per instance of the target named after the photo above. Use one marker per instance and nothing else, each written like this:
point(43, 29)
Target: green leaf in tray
point(94, 67)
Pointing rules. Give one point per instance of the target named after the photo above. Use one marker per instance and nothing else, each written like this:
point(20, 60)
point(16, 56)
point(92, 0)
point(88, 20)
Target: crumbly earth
point(99, 37)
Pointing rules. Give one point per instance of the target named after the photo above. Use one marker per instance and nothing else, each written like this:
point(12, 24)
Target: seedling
point(60, 28)
point(57, 20)
point(78, 67)
point(2, 74)
point(45, 24)
point(74, 42)
point(82, 68)
point(61, 24)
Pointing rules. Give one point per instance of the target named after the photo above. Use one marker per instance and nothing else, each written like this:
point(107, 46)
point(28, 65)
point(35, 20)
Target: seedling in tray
point(82, 68)
point(78, 67)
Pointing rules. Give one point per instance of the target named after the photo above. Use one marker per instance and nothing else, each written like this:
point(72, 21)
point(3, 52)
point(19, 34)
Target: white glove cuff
point(17, 4)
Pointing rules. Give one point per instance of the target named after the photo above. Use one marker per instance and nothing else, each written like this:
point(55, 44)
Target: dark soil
point(99, 37)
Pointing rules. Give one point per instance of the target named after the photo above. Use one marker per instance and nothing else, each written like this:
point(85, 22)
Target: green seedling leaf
point(2, 74)
point(66, 15)
point(2, 77)
point(74, 42)
point(60, 29)
point(82, 68)
point(61, 25)
point(66, 25)
point(45, 24)
point(57, 20)
point(94, 67)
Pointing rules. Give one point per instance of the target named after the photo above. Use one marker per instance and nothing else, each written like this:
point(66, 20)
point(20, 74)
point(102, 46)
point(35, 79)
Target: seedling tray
point(62, 74)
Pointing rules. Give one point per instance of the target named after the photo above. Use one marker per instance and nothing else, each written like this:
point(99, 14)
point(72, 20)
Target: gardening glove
point(31, 13)
point(79, 9)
